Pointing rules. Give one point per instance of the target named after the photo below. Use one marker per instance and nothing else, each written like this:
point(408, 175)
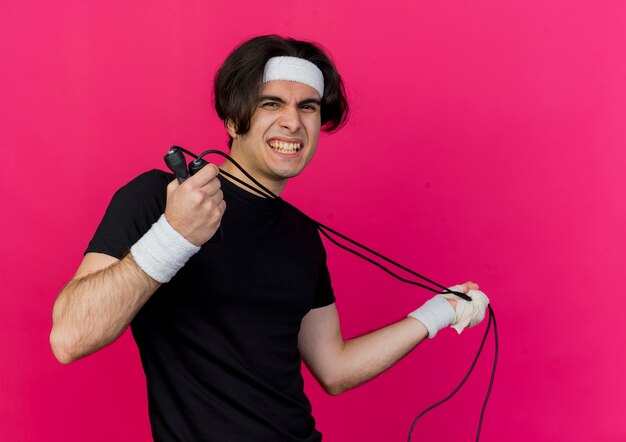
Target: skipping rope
point(175, 160)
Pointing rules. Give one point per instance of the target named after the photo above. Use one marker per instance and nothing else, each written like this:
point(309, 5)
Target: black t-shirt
point(218, 343)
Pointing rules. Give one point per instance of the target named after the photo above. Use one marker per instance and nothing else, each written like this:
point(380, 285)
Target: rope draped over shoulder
point(332, 234)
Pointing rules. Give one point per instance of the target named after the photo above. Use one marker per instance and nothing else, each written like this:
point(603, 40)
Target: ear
point(231, 128)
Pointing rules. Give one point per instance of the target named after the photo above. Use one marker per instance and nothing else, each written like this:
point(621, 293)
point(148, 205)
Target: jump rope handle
point(175, 161)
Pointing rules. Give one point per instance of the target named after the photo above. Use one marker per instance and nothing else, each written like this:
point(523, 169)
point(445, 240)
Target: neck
point(275, 186)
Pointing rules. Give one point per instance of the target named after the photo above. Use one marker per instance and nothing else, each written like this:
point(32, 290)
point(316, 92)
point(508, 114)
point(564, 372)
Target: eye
point(270, 105)
point(309, 107)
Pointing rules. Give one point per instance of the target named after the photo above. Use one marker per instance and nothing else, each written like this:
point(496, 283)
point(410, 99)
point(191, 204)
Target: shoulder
point(131, 212)
point(152, 180)
point(144, 196)
point(145, 189)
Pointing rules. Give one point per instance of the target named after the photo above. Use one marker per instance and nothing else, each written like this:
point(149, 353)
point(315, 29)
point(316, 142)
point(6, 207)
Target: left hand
point(468, 313)
point(466, 287)
point(435, 314)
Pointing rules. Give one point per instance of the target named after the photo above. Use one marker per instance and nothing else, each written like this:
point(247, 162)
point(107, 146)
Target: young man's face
point(283, 135)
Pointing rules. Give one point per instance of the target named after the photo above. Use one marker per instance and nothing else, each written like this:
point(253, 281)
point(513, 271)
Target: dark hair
point(238, 81)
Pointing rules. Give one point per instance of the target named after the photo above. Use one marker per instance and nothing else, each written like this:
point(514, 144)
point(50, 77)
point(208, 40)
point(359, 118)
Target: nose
point(290, 119)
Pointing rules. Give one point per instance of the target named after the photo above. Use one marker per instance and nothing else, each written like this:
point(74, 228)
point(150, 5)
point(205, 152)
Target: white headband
point(294, 69)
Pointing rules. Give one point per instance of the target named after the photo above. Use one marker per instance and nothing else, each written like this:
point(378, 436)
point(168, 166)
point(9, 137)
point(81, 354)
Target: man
point(222, 326)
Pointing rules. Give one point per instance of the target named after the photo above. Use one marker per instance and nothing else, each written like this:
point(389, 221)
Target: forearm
point(365, 357)
point(94, 310)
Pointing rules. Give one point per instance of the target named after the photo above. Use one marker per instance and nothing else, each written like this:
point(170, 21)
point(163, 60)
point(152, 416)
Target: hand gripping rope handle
point(175, 160)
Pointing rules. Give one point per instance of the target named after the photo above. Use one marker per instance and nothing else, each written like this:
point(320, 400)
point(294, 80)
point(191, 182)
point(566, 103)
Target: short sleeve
point(324, 294)
point(131, 212)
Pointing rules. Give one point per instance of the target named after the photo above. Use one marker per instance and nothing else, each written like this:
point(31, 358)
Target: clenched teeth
point(284, 147)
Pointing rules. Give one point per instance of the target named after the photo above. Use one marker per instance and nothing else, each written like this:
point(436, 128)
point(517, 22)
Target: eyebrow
point(281, 101)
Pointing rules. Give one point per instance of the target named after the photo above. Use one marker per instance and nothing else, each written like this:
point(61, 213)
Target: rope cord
point(327, 231)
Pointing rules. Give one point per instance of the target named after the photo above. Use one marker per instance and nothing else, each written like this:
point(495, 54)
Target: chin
point(287, 175)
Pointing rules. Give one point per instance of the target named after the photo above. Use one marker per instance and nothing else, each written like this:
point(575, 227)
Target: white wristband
point(162, 251)
point(435, 314)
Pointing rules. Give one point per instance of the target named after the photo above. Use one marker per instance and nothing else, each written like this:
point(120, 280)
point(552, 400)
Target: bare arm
point(340, 365)
point(97, 305)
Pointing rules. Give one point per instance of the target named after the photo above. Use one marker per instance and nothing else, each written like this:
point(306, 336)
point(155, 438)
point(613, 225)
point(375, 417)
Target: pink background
point(486, 142)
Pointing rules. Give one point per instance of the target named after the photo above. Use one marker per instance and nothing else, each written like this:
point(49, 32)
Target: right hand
point(195, 208)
